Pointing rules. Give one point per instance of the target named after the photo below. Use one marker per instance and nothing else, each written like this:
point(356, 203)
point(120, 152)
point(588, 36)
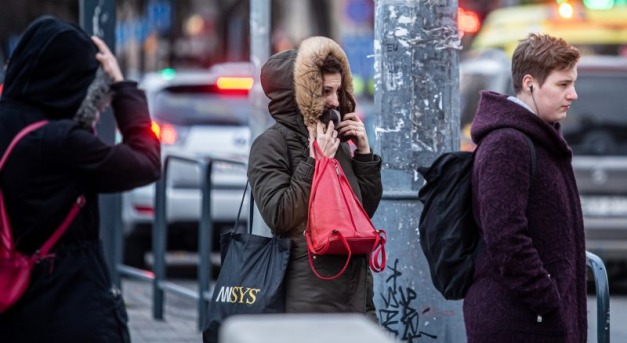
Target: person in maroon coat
point(530, 279)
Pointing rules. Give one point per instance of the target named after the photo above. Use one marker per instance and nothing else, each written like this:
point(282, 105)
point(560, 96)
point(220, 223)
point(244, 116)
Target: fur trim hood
point(293, 81)
point(97, 99)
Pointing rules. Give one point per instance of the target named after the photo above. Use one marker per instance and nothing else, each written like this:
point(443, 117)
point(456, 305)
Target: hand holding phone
point(351, 127)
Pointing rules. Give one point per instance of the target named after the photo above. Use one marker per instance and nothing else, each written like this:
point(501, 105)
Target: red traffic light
point(468, 21)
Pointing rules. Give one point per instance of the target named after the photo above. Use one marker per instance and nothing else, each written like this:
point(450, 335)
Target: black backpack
point(449, 235)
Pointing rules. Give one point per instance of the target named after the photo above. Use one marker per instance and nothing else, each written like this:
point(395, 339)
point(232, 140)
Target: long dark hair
point(332, 65)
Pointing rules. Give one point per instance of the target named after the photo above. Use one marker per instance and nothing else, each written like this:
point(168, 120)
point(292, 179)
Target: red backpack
point(337, 223)
point(15, 267)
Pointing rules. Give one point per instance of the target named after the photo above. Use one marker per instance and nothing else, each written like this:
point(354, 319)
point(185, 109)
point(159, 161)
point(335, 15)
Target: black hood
point(51, 68)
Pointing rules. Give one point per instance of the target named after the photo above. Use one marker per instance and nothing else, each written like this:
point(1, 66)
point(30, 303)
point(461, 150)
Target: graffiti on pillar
point(399, 314)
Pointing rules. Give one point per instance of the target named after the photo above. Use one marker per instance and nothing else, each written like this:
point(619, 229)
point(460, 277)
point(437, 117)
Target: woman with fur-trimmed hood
point(301, 84)
point(60, 74)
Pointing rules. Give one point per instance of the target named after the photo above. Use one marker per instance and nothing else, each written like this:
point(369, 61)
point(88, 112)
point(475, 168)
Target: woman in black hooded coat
point(58, 73)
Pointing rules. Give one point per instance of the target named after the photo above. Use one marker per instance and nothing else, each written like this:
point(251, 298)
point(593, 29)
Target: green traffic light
point(599, 4)
point(168, 73)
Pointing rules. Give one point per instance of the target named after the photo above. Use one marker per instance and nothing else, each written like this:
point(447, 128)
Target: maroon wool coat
point(530, 280)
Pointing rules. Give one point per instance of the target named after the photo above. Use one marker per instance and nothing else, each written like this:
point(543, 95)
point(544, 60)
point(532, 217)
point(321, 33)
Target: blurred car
point(196, 114)
point(598, 124)
point(596, 130)
point(595, 31)
point(479, 70)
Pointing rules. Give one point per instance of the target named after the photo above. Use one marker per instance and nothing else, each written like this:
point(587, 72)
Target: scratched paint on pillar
point(399, 314)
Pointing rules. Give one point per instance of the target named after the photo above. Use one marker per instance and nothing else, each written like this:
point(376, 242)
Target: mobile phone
point(330, 114)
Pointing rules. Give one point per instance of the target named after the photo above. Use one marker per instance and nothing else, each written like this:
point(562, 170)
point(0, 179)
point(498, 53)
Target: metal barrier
point(159, 242)
point(205, 242)
point(603, 296)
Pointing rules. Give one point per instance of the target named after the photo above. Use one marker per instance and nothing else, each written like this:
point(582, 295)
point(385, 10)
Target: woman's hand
point(352, 127)
point(108, 60)
point(327, 141)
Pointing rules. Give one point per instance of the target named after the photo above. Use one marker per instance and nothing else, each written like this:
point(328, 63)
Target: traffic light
point(598, 4)
point(468, 21)
point(566, 10)
point(570, 10)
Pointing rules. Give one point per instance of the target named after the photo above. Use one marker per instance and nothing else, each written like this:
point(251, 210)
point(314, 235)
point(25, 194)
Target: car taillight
point(145, 210)
point(234, 83)
point(165, 132)
point(156, 129)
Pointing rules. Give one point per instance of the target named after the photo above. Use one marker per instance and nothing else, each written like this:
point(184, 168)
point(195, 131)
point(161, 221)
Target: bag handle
point(378, 257)
point(239, 211)
point(348, 259)
point(28, 129)
point(80, 202)
point(318, 151)
point(6, 237)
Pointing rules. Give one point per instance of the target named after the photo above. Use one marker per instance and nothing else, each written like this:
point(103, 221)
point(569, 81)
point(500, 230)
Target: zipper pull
point(539, 319)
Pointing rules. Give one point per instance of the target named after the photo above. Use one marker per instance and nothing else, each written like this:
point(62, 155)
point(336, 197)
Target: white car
point(197, 114)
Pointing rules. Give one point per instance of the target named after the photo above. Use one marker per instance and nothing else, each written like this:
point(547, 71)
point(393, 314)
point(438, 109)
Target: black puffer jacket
point(281, 172)
point(70, 298)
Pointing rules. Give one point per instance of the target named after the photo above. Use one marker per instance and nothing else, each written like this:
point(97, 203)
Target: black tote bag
point(250, 279)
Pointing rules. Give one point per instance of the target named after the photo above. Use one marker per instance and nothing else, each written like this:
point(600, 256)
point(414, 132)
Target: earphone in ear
point(530, 87)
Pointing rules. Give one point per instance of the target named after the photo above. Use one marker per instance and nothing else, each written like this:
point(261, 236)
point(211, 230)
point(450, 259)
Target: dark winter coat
point(530, 281)
point(281, 171)
point(70, 297)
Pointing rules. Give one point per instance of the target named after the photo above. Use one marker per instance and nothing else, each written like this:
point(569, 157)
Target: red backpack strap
point(30, 128)
point(80, 201)
point(6, 236)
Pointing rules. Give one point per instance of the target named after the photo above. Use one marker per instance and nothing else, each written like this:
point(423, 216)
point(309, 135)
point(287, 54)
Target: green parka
point(281, 172)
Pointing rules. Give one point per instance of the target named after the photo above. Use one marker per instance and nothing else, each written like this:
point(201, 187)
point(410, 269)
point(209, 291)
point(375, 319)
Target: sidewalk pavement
point(180, 316)
point(179, 324)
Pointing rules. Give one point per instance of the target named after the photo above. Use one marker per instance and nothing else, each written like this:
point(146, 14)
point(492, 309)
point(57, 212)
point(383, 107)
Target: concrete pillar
point(417, 104)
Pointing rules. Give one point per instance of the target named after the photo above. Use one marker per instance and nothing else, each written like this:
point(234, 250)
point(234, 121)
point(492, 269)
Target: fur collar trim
point(308, 82)
point(97, 99)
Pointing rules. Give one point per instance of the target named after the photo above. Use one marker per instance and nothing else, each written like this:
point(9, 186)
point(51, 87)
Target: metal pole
point(97, 17)
point(205, 243)
point(417, 104)
point(159, 242)
point(602, 287)
point(260, 118)
point(259, 53)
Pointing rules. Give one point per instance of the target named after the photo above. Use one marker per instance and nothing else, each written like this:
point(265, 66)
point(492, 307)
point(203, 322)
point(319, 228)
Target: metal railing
point(205, 242)
point(602, 288)
point(159, 242)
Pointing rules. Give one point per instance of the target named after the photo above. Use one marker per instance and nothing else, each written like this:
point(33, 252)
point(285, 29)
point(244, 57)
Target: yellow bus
point(592, 31)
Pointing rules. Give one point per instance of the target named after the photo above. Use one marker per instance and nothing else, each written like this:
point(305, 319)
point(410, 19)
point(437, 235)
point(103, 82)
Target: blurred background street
point(197, 62)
